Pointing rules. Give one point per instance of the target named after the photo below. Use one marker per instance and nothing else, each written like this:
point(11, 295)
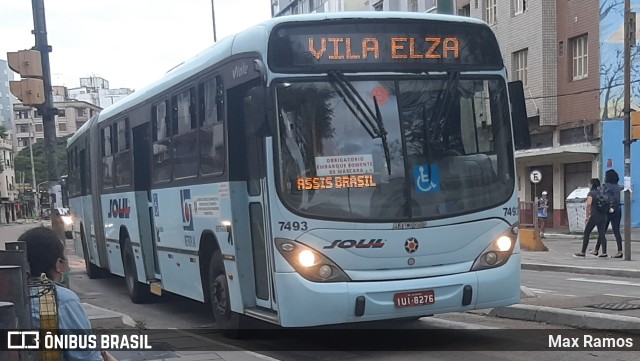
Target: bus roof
point(254, 38)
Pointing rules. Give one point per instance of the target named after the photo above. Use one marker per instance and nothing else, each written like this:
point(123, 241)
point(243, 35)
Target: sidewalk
point(597, 311)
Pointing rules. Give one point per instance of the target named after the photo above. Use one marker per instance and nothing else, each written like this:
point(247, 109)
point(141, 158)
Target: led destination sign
point(383, 45)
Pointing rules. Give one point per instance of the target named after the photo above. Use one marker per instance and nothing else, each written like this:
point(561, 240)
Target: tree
point(607, 6)
point(612, 74)
point(23, 161)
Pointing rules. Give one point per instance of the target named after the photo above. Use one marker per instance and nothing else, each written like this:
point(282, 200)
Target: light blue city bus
point(313, 170)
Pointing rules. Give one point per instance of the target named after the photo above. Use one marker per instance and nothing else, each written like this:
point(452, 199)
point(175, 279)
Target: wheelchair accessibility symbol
point(427, 178)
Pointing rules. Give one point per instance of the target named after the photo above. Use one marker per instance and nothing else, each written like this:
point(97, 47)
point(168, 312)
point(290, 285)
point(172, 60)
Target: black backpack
point(611, 198)
point(602, 203)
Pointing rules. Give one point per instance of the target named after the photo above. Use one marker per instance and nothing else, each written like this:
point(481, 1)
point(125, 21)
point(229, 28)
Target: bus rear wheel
point(91, 269)
point(138, 292)
point(230, 322)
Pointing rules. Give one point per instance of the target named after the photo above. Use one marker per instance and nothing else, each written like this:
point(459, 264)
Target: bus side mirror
point(519, 120)
point(258, 110)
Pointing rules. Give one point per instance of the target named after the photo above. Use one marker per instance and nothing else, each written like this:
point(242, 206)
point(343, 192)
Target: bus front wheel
point(227, 320)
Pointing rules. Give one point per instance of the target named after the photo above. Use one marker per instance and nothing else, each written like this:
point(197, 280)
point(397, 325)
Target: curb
point(617, 272)
point(572, 318)
point(103, 318)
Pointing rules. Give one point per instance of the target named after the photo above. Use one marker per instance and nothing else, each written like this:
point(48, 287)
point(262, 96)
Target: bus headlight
point(306, 258)
point(309, 263)
point(498, 252)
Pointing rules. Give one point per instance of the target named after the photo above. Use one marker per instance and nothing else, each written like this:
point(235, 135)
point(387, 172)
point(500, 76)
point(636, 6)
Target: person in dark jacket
point(612, 190)
point(595, 218)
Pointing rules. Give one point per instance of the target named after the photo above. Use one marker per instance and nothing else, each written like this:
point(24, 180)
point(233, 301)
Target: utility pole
point(213, 16)
point(47, 110)
point(629, 40)
point(33, 172)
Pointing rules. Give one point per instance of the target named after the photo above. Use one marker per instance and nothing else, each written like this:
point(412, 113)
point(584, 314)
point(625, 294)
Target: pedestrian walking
point(596, 217)
point(611, 190)
point(543, 212)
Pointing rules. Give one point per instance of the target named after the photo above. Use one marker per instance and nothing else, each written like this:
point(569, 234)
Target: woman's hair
point(611, 177)
point(595, 183)
point(44, 248)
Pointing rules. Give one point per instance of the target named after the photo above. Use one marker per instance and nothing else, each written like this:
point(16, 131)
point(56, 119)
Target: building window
point(580, 54)
point(38, 127)
point(491, 11)
point(413, 5)
point(23, 128)
point(520, 65)
point(22, 114)
point(519, 6)
point(62, 127)
point(36, 114)
point(81, 112)
point(62, 113)
point(465, 11)
point(378, 6)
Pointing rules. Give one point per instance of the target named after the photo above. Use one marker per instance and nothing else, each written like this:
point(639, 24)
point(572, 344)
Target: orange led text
point(345, 48)
point(330, 182)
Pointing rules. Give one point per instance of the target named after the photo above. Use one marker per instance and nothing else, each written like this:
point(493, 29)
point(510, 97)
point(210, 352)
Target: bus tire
point(138, 292)
point(228, 321)
point(93, 271)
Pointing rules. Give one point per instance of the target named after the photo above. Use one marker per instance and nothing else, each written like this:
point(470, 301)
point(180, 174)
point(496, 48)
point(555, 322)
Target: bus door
point(142, 185)
point(246, 108)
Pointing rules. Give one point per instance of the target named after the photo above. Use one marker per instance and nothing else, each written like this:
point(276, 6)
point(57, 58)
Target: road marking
point(555, 293)
point(442, 323)
point(614, 295)
point(611, 282)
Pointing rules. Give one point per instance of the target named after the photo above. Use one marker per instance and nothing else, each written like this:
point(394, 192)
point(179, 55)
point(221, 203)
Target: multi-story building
point(6, 99)
point(289, 7)
point(571, 85)
point(8, 191)
point(95, 90)
point(71, 115)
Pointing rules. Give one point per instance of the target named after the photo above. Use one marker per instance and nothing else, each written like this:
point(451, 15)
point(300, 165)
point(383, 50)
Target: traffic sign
point(535, 176)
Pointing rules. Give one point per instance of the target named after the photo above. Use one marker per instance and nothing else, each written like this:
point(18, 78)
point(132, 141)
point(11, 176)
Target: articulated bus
point(313, 170)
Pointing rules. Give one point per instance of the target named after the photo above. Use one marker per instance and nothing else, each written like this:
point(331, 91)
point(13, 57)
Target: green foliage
point(23, 161)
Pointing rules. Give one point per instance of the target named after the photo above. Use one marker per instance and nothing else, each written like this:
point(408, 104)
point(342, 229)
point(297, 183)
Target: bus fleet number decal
point(510, 211)
point(293, 226)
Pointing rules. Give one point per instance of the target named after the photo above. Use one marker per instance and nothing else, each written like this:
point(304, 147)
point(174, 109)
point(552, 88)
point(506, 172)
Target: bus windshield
point(394, 149)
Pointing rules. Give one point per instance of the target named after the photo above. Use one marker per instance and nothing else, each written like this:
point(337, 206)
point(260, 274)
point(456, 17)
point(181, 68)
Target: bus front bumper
point(302, 303)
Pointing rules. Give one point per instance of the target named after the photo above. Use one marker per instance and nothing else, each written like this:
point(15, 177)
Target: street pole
point(33, 172)
point(627, 129)
point(213, 16)
point(446, 7)
point(47, 110)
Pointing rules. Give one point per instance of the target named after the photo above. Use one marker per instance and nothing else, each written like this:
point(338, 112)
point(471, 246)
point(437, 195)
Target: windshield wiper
point(445, 98)
point(372, 123)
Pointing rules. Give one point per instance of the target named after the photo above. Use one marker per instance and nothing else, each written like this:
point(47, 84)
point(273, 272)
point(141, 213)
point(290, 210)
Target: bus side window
point(122, 154)
point(161, 143)
point(185, 142)
point(107, 158)
point(211, 134)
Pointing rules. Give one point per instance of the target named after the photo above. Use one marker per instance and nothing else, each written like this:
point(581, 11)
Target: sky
point(130, 43)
